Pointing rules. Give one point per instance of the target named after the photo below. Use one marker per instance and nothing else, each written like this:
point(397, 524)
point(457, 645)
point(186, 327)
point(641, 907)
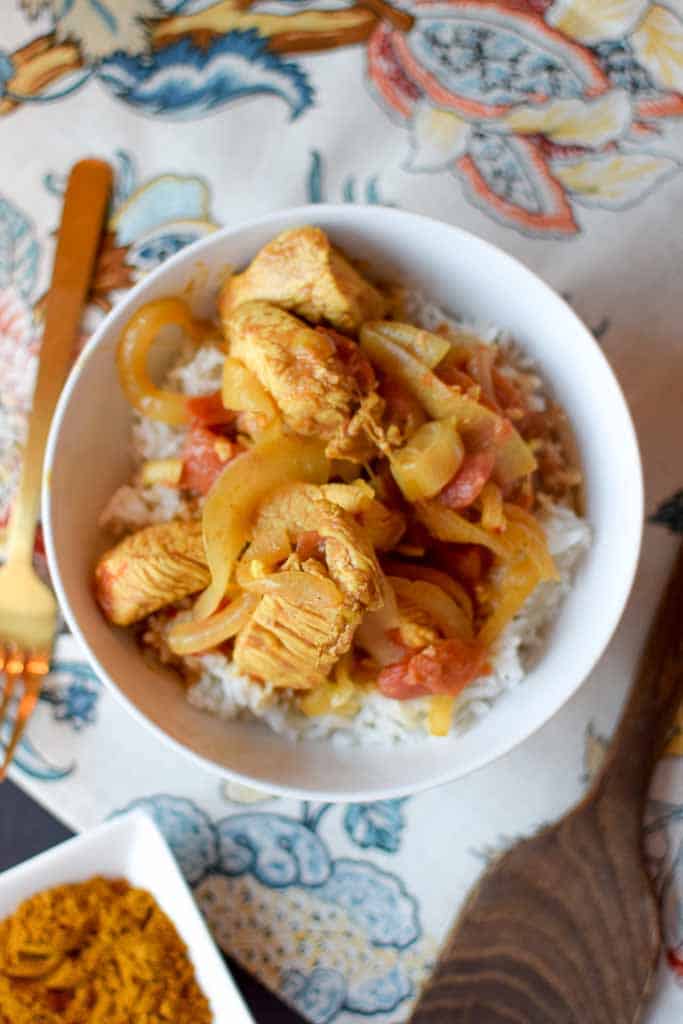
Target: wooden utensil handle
point(85, 207)
point(654, 699)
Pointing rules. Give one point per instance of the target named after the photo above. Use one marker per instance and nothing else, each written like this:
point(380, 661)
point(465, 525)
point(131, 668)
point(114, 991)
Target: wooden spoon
point(563, 928)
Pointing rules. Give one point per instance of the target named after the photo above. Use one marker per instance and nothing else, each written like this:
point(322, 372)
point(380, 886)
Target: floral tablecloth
point(552, 128)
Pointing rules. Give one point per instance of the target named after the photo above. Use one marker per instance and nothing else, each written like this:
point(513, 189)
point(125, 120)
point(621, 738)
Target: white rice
point(222, 690)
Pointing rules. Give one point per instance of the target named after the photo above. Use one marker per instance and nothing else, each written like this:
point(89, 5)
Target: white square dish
point(132, 847)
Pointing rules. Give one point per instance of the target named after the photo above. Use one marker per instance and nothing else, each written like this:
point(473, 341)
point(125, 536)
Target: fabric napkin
point(554, 130)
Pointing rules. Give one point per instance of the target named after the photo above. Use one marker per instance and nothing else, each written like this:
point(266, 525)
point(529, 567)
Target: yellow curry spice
point(99, 951)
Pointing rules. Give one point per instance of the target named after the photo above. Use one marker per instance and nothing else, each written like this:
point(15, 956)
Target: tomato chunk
point(468, 482)
point(446, 667)
point(208, 410)
point(508, 392)
point(454, 376)
point(468, 563)
point(205, 456)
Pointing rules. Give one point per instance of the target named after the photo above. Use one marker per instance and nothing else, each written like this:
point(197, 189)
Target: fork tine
point(13, 664)
point(33, 674)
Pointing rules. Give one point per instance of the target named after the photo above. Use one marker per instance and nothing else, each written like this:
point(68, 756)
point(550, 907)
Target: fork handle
point(85, 207)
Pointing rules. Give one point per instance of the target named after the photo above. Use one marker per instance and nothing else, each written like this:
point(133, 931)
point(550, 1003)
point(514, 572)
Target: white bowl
point(132, 847)
point(87, 459)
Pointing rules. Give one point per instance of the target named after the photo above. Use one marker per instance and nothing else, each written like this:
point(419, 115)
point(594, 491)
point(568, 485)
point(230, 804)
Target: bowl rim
point(308, 214)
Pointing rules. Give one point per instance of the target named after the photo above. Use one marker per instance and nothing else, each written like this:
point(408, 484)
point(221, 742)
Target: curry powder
point(99, 952)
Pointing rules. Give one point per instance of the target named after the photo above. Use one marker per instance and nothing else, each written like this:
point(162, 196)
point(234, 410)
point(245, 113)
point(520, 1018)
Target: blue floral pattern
point(73, 690)
point(378, 825)
point(236, 864)
point(32, 762)
point(275, 849)
point(497, 64)
point(183, 80)
point(318, 995)
point(189, 831)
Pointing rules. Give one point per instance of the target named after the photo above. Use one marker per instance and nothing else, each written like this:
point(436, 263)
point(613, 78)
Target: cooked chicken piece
point(315, 380)
point(296, 644)
point(300, 270)
point(151, 568)
point(382, 526)
point(302, 510)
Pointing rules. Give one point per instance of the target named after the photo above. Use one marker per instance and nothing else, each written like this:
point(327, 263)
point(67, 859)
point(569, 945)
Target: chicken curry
point(365, 496)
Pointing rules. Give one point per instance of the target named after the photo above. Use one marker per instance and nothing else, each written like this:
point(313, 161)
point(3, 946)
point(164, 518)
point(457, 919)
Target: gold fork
point(28, 609)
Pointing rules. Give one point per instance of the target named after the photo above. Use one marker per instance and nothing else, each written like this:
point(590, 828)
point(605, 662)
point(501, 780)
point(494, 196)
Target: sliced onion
point(436, 397)
point(492, 512)
point(372, 634)
point(193, 636)
point(429, 348)
point(528, 563)
point(525, 537)
point(242, 391)
point(352, 497)
point(137, 339)
point(445, 524)
point(506, 598)
point(410, 571)
point(233, 501)
point(442, 610)
point(430, 458)
point(514, 459)
point(477, 424)
point(520, 515)
point(480, 368)
point(301, 588)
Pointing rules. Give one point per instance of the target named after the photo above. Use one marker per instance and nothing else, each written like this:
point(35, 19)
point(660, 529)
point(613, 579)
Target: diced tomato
point(208, 410)
point(456, 377)
point(446, 667)
point(480, 366)
point(468, 482)
point(354, 360)
point(508, 392)
point(394, 681)
point(468, 563)
point(203, 459)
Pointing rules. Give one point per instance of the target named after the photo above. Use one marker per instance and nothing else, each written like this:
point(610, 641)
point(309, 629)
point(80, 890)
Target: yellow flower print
point(658, 44)
point(438, 137)
point(613, 180)
point(592, 21)
point(590, 123)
